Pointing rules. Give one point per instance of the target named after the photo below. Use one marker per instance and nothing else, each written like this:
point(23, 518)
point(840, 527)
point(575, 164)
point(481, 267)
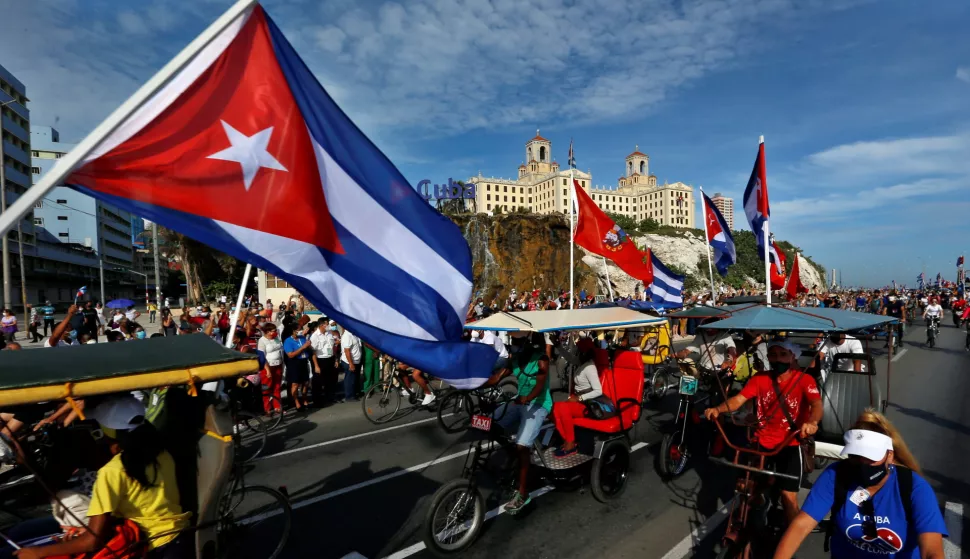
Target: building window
point(62, 201)
point(506, 198)
point(62, 234)
point(505, 188)
point(35, 170)
point(39, 221)
point(488, 196)
point(488, 188)
point(488, 206)
point(62, 218)
point(35, 154)
point(39, 204)
point(530, 200)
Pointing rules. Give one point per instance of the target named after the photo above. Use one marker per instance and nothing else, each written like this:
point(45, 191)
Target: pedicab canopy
point(708, 311)
point(57, 373)
point(791, 319)
point(574, 319)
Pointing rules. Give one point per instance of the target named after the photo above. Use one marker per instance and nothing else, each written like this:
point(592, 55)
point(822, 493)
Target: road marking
point(953, 515)
point(345, 439)
point(418, 547)
point(684, 547)
point(900, 354)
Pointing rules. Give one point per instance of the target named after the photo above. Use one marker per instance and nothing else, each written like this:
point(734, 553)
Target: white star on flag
point(248, 151)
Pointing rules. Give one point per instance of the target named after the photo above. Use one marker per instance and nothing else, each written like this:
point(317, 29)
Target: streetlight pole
point(158, 282)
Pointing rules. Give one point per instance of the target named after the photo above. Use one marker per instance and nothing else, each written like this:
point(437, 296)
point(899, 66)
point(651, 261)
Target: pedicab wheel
point(657, 386)
point(255, 522)
point(251, 436)
point(455, 518)
point(673, 457)
point(609, 475)
point(455, 412)
point(728, 549)
point(381, 403)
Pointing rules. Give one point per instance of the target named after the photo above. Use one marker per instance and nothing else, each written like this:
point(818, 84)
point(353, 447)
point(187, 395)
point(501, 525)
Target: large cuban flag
point(244, 151)
point(756, 200)
point(719, 237)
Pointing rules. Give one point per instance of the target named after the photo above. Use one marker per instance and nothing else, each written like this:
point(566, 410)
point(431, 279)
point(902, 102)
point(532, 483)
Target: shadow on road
point(932, 418)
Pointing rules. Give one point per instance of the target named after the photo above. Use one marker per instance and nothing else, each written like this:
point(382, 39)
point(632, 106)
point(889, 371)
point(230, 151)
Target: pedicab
point(457, 510)
point(232, 518)
point(848, 385)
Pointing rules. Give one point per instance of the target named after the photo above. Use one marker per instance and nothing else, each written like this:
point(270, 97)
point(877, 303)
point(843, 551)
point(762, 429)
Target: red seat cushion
point(623, 382)
point(611, 425)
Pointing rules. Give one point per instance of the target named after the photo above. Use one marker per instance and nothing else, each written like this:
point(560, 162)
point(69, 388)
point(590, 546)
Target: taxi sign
point(481, 422)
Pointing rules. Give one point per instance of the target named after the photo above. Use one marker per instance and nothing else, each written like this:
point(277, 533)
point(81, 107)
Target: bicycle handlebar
point(766, 453)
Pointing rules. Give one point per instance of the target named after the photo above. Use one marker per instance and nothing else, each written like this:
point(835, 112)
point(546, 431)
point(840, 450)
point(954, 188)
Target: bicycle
point(382, 401)
point(681, 441)
point(932, 330)
point(661, 378)
point(456, 409)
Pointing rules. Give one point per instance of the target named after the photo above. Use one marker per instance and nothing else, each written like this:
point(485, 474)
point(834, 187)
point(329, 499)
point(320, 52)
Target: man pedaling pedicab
point(526, 414)
point(802, 404)
point(409, 375)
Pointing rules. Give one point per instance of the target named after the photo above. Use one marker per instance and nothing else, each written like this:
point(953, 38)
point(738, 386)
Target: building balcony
point(12, 127)
point(15, 107)
point(15, 176)
point(15, 152)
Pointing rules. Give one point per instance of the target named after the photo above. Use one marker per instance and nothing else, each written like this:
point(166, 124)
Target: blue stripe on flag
point(667, 286)
point(462, 364)
point(364, 162)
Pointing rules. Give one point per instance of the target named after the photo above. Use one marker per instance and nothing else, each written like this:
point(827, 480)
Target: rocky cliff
point(523, 251)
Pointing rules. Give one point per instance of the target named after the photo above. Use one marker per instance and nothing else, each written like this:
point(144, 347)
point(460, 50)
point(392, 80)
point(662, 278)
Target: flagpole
point(239, 301)
point(572, 240)
point(710, 263)
point(76, 156)
point(761, 140)
point(609, 284)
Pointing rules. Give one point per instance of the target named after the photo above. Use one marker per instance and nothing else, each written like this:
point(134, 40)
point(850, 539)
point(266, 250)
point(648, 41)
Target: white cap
point(867, 444)
point(787, 344)
point(118, 412)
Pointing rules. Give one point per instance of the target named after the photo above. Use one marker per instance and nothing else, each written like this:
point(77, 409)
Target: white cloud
point(963, 73)
point(863, 203)
point(905, 156)
point(132, 23)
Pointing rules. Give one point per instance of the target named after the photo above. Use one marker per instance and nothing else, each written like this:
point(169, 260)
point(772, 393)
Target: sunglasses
point(869, 529)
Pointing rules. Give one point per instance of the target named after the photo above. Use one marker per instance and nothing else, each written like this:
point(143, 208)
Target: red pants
point(563, 414)
point(271, 382)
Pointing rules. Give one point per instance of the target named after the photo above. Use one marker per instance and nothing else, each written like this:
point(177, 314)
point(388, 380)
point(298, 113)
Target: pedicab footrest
point(553, 462)
point(730, 464)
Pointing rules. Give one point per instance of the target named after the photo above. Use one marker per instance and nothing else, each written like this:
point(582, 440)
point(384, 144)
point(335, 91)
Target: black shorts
point(788, 461)
point(297, 371)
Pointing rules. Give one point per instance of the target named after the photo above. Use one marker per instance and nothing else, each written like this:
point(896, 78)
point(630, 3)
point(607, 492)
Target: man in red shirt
point(803, 404)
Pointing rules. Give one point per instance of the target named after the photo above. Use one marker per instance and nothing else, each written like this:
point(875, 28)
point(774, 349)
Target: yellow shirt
point(155, 509)
point(152, 307)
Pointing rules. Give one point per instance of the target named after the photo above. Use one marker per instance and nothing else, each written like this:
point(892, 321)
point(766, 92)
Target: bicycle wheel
point(255, 522)
point(250, 435)
point(455, 411)
point(657, 387)
point(273, 419)
point(673, 456)
point(455, 518)
point(381, 403)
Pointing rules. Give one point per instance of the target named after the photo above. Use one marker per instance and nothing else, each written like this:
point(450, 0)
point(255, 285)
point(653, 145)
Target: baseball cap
point(119, 412)
point(787, 344)
point(867, 444)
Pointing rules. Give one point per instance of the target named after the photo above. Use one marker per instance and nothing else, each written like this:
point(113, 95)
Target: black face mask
point(867, 475)
point(835, 338)
point(779, 367)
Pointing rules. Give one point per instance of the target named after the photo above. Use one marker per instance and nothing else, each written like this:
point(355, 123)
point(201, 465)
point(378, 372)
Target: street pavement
point(363, 490)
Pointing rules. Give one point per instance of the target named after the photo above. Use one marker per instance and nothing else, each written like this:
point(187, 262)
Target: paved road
point(365, 489)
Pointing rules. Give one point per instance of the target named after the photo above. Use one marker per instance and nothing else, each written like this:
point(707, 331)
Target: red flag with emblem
point(597, 233)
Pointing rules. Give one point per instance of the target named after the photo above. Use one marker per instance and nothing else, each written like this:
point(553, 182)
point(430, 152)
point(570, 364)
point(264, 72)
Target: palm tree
point(189, 253)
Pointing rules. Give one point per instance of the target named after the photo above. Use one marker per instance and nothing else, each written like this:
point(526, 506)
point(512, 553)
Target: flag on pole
point(939, 279)
point(81, 292)
point(778, 265)
point(755, 200)
point(597, 233)
point(246, 122)
point(959, 261)
point(572, 158)
point(719, 237)
point(667, 287)
point(919, 280)
point(795, 281)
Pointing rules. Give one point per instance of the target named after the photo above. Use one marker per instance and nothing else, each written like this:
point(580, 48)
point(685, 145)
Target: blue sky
point(864, 105)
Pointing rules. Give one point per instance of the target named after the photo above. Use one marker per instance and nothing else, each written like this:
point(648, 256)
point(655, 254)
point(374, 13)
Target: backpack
point(875, 304)
point(904, 478)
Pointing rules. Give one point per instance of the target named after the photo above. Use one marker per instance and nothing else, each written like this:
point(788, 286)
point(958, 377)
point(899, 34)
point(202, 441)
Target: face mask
point(867, 475)
point(74, 334)
point(779, 367)
point(140, 335)
point(835, 338)
point(333, 328)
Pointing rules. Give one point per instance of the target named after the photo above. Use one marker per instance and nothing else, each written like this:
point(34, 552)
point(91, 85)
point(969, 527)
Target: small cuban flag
point(81, 292)
point(572, 158)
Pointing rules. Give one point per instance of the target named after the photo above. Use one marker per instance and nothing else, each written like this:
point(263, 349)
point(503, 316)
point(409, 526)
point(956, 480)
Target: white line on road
point(900, 354)
point(344, 439)
point(411, 550)
point(684, 547)
point(953, 515)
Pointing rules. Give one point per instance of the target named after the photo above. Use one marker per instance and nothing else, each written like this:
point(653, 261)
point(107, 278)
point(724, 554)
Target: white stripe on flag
point(305, 260)
point(671, 282)
point(669, 297)
point(171, 90)
point(351, 206)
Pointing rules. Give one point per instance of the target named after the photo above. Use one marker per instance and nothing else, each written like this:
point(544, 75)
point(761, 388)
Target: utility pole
point(158, 283)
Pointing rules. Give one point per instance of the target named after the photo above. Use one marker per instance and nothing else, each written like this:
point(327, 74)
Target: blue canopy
point(790, 319)
point(637, 305)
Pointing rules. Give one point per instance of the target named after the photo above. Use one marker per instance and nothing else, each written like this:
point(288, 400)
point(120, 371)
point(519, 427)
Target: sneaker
point(428, 398)
point(518, 502)
point(405, 393)
point(562, 453)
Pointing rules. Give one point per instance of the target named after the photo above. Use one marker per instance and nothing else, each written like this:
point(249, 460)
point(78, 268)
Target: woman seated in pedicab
point(586, 391)
point(135, 508)
point(877, 502)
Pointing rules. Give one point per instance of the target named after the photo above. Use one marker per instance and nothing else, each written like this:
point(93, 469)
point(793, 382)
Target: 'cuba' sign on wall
point(452, 190)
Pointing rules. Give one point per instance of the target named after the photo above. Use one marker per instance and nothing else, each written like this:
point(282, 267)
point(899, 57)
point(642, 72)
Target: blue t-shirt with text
point(897, 536)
